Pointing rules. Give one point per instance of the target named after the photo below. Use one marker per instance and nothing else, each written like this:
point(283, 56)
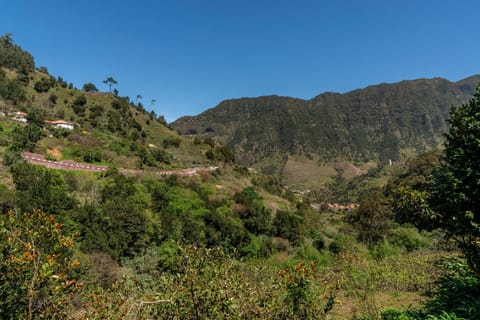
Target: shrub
point(372, 219)
point(457, 294)
point(174, 142)
point(407, 237)
point(81, 100)
point(92, 156)
point(308, 253)
point(53, 98)
point(161, 155)
point(44, 84)
point(334, 247)
point(383, 250)
point(35, 264)
point(318, 243)
point(289, 226)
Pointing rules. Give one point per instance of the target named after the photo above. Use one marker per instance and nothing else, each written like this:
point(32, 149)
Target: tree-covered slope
point(374, 123)
point(108, 128)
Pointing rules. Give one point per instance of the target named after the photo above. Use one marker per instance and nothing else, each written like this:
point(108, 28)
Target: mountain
point(378, 123)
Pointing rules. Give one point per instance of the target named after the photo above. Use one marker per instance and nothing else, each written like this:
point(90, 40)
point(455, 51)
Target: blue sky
point(189, 55)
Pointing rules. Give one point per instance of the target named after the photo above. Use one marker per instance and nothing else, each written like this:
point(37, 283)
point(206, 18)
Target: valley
point(361, 205)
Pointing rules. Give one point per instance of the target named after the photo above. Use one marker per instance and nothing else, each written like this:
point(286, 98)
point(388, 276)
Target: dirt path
point(39, 159)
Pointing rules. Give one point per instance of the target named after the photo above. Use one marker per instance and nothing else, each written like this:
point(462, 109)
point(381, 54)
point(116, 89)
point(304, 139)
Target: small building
point(59, 124)
point(20, 117)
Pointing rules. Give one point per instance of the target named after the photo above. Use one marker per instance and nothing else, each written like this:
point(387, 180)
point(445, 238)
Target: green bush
point(92, 156)
point(393, 314)
point(458, 293)
point(308, 253)
point(40, 188)
point(407, 237)
point(318, 243)
point(44, 84)
point(167, 256)
point(334, 247)
point(35, 263)
point(289, 225)
point(383, 250)
point(171, 142)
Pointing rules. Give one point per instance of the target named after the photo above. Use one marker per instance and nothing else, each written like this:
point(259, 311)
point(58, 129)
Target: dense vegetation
point(228, 243)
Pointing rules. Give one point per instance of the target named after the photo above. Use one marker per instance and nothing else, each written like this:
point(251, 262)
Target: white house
point(59, 124)
point(20, 117)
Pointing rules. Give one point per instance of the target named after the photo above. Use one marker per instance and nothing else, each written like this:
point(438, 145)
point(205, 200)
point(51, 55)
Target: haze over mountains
point(378, 123)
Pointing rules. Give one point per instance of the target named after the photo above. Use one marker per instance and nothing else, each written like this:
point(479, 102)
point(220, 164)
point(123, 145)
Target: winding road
point(40, 160)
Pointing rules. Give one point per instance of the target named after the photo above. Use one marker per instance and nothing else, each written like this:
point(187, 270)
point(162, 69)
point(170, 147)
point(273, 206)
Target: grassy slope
point(96, 135)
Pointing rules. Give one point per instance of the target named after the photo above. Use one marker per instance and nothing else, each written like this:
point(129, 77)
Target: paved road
point(39, 159)
point(63, 165)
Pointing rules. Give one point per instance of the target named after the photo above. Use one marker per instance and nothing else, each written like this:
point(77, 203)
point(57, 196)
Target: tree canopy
point(457, 197)
point(89, 87)
point(110, 82)
point(35, 267)
point(13, 57)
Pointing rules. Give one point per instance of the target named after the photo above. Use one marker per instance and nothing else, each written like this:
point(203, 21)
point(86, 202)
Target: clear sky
point(189, 55)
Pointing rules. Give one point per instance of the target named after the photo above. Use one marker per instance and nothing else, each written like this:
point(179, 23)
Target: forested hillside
point(378, 123)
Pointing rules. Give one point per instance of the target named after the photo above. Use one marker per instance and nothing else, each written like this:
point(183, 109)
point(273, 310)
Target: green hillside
point(378, 123)
point(108, 128)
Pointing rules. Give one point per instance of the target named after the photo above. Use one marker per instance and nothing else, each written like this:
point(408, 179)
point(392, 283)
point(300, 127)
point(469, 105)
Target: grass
point(275, 203)
point(348, 308)
point(400, 282)
point(305, 173)
point(310, 173)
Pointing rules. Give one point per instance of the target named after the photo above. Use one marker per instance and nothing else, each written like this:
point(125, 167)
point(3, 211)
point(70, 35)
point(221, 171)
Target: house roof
point(55, 122)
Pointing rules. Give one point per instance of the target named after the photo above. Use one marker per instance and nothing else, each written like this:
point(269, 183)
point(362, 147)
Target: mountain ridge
point(377, 122)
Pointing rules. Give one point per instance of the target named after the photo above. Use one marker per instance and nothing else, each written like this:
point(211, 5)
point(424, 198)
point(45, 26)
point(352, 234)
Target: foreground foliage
point(458, 187)
point(455, 298)
point(35, 267)
point(206, 284)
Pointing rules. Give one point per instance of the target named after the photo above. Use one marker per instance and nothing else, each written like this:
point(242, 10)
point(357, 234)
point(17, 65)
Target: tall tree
point(13, 57)
point(40, 188)
point(410, 190)
point(7, 40)
point(36, 116)
point(457, 196)
point(372, 219)
point(110, 82)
